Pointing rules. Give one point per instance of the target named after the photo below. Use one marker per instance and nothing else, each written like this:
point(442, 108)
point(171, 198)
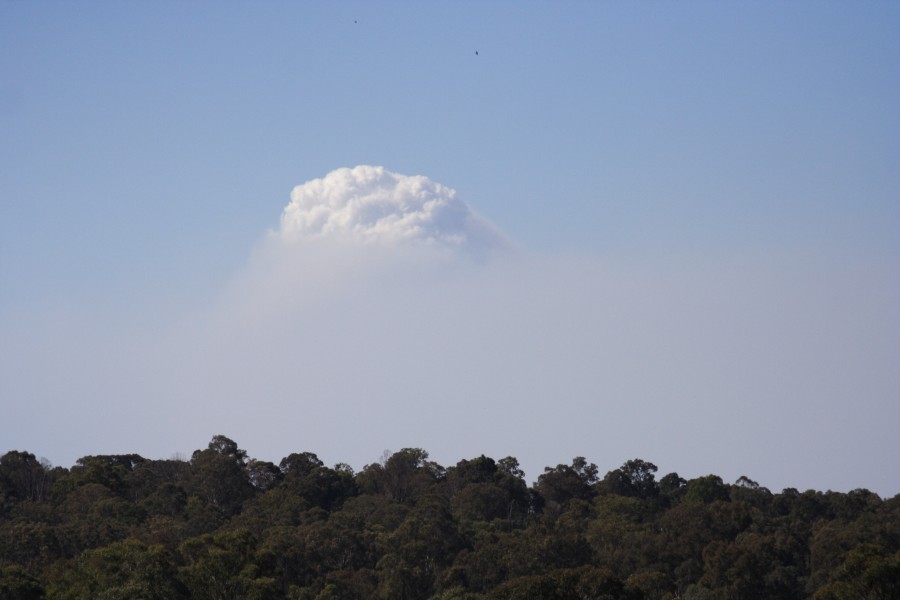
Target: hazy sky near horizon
point(655, 230)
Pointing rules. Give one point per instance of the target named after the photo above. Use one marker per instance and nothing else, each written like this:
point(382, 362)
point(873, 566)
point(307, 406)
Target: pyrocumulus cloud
point(375, 206)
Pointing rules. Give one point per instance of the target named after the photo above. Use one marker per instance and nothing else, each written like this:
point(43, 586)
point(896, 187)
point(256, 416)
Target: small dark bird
point(476, 53)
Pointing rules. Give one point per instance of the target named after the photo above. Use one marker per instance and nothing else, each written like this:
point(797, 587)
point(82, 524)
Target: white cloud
point(374, 206)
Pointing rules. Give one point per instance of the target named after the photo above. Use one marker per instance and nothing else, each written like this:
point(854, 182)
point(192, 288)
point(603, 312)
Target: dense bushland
point(225, 526)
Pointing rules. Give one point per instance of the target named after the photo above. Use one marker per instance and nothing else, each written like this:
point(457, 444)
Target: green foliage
point(557, 486)
point(23, 478)
point(17, 584)
point(586, 583)
point(867, 573)
point(225, 525)
point(483, 490)
point(635, 478)
point(408, 474)
point(706, 489)
point(120, 571)
point(223, 567)
point(456, 593)
point(112, 472)
point(307, 477)
point(219, 475)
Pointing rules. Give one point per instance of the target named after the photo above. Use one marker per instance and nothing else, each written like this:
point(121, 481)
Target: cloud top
point(372, 205)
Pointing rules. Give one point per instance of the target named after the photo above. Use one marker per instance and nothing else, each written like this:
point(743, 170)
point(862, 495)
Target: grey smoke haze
point(363, 324)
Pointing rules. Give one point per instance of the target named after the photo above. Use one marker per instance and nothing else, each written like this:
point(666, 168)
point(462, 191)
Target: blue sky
point(740, 156)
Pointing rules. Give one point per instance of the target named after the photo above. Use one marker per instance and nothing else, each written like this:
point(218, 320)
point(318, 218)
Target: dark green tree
point(866, 573)
point(224, 566)
point(706, 489)
point(306, 476)
point(126, 570)
point(18, 584)
point(482, 490)
point(557, 486)
point(405, 475)
point(219, 475)
point(634, 478)
point(23, 477)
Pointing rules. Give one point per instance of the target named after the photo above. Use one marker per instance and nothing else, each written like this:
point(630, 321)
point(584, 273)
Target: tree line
point(224, 526)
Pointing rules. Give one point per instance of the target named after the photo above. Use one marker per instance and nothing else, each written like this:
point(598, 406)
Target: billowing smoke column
point(374, 206)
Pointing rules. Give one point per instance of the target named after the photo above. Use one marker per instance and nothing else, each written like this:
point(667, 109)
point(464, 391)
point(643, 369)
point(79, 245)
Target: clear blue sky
point(146, 148)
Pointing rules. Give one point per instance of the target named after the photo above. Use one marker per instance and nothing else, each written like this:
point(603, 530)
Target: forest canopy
point(222, 525)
